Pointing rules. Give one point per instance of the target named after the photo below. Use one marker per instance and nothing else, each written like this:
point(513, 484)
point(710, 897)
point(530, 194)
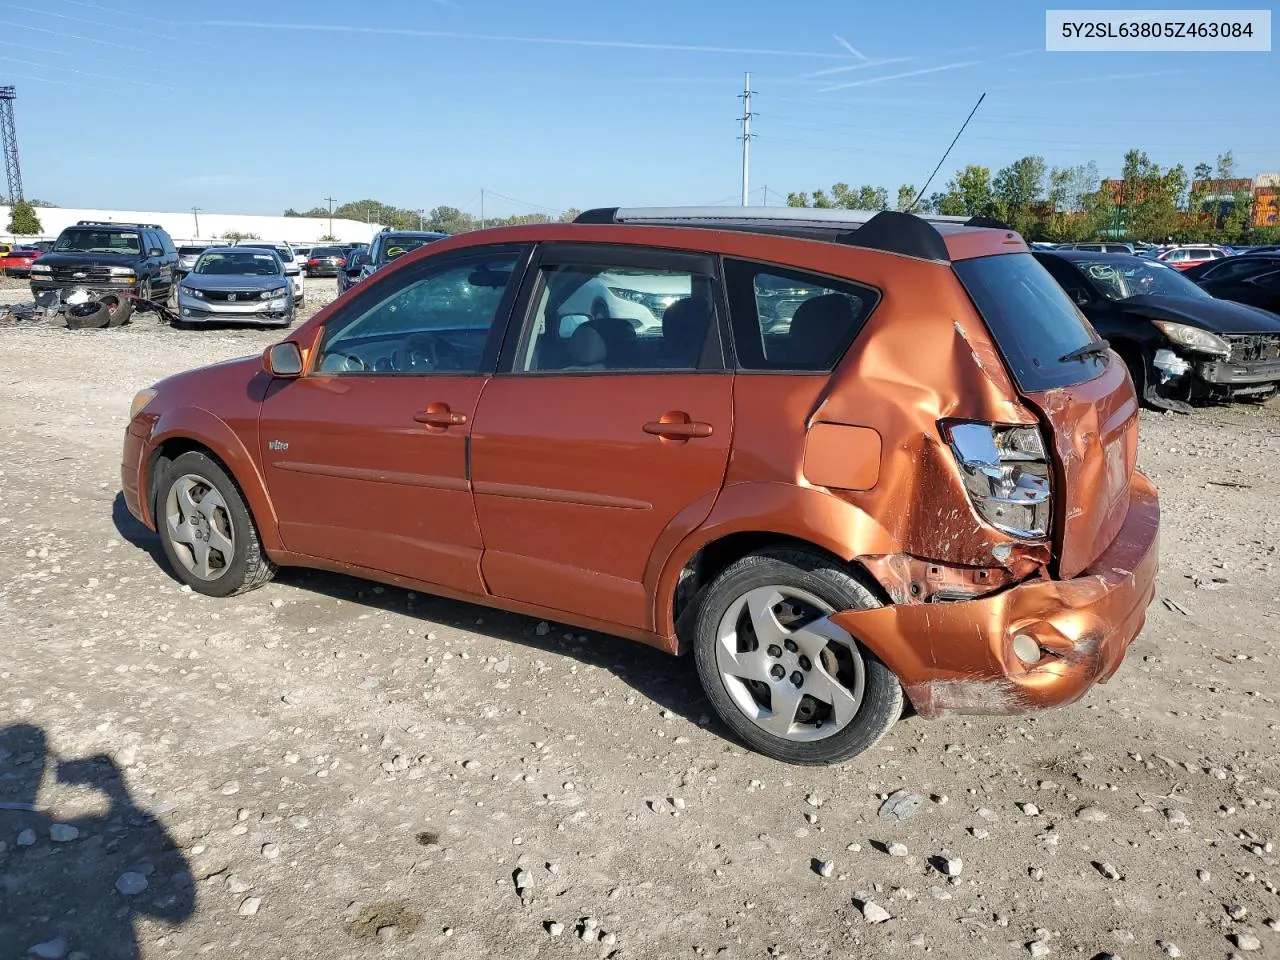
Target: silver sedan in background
point(245, 284)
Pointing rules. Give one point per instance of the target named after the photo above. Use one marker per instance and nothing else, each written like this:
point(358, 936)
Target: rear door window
point(790, 320)
point(1032, 319)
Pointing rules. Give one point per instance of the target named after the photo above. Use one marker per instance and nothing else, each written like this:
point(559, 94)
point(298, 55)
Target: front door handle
point(677, 425)
point(439, 415)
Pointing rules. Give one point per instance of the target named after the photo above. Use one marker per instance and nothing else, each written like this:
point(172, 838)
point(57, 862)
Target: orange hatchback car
point(839, 457)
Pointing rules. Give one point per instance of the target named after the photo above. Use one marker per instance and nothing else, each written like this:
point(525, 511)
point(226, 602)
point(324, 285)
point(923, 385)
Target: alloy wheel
point(199, 527)
point(787, 667)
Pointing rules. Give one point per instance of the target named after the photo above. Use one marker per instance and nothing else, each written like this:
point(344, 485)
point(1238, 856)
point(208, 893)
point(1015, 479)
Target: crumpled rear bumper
point(958, 657)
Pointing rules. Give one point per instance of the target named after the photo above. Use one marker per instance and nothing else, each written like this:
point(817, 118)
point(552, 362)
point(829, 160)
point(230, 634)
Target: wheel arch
point(192, 429)
point(753, 516)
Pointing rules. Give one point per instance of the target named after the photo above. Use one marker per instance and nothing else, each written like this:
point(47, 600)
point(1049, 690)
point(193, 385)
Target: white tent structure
point(201, 226)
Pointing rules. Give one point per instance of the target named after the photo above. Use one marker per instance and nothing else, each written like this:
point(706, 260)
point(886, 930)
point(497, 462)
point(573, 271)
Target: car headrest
point(819, 326)
point(586, 346)
point(684, 324)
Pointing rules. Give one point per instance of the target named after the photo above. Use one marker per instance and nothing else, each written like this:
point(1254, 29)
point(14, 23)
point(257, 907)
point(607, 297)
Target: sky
point(242, 106)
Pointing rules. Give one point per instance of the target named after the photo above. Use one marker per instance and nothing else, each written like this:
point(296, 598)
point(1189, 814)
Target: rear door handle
point(439, 415)
point(677, 426)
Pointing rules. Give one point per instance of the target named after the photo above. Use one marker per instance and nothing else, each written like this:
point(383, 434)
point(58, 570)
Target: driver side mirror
point(361, 260)
point(1081, 297)
point(283, 360)
point(155, 252)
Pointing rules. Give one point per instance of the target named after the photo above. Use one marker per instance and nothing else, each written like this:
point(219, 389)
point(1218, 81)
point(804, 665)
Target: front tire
point(786, 680)
point(206, 530)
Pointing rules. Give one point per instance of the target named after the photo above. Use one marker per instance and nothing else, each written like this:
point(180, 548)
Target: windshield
point(191, 251)
point(399, 246)
point(240, 264)
point(84, 240)
point(327, 252)
point(1119, 278)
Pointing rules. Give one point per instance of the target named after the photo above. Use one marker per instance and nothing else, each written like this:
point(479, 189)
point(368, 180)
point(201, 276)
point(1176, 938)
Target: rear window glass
point(1032, 319)
point(786, 319)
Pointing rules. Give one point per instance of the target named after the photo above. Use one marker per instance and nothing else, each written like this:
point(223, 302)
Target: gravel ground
point(360, 771)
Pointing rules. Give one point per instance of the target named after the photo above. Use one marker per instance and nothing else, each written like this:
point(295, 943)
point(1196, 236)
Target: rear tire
point(787, 681)
point(206, 530)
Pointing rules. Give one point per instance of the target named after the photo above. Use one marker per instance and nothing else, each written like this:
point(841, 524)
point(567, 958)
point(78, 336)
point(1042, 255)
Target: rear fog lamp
point(1026, 649)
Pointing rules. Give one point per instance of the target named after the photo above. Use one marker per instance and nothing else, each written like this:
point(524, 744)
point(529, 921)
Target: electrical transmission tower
point(9, 138)
point(745, 120)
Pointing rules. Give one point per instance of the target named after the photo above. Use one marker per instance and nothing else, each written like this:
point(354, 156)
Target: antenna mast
point(947, 154)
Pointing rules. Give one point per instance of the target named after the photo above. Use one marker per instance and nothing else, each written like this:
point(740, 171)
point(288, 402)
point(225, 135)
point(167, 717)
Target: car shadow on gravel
point(74, 885)
point(135, 532)
point(670, 682)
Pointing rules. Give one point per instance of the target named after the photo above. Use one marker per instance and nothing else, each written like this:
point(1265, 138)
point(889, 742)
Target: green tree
point(969, 194)
point(906, 197)
point(1238, 218)
point(23, 220)
point(1070, 187)
point(865, 197)
point(1226, 166)
point(1151, 197)
point(570, 215)
point(1202, 171)
point(235, 236)
point(1016, 189)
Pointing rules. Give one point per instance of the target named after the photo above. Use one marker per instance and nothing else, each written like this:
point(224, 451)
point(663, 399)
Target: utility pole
point(765, 194)
point(330, 199)
point(482, 208)
point(420, 213)
point(745, 97)
point(195, 212)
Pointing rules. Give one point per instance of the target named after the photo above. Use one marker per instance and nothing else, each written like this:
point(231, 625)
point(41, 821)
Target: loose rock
point(900, 805)
point(49, 950)
point(1091, 814)
point(249, 906)
point(872, 912)
point(1245, 940)
point(131, 883)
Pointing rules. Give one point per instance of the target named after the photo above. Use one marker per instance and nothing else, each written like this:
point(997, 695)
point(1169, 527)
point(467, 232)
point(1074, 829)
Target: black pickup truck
point(103, 257)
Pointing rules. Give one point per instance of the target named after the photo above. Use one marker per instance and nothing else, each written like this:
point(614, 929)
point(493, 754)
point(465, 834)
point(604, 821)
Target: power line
point(525, 203)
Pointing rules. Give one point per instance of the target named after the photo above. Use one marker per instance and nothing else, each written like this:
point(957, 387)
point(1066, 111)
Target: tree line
point(1147, 202)
point(441, 219)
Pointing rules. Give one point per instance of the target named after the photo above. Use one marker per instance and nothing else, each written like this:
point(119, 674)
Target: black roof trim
point(913, 235)
point(894, 232)
point(597, 215)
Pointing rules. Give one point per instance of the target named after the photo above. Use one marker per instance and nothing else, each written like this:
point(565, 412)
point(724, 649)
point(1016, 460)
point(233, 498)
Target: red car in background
point(1184, 258)
point(17, 262)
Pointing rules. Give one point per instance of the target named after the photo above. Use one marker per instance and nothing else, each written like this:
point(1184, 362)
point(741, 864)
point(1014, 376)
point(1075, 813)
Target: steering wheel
point(342, 363)
point(425, 351)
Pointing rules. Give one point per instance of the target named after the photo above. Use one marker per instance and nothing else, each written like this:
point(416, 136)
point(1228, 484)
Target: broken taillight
point(1007, 474)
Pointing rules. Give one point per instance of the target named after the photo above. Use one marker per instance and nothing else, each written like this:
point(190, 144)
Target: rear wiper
point(1095, 348)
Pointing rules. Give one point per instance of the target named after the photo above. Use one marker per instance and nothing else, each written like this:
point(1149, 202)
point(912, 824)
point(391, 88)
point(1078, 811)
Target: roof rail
point(912, 235)
point(117, 223)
